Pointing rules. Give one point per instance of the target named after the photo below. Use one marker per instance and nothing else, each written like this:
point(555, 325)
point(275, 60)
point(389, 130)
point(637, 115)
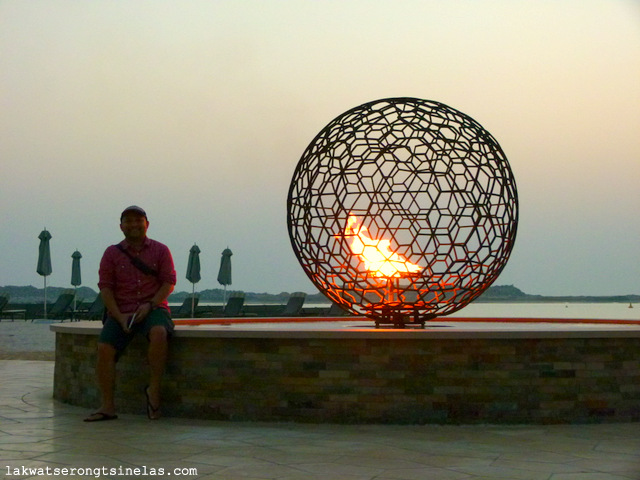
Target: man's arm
point(160, 296)
point(111, 305)
point(106, 284)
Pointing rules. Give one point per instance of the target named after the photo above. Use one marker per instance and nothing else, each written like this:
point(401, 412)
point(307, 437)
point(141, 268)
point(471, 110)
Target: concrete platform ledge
point(345, 371)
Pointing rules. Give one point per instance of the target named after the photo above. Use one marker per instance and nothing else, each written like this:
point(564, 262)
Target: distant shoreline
point(494, 294)
point(614, 299)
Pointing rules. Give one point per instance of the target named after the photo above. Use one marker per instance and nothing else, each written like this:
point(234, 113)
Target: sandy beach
point(20, 340)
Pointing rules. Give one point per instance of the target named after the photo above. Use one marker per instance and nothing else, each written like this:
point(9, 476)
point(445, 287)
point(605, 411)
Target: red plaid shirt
point(130, 286)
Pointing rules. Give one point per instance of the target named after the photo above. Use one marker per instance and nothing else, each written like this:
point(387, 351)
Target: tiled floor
point(38, 433)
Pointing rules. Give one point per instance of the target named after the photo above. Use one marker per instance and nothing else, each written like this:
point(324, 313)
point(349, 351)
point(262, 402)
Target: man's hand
point(142, 311)
point(123, 320)
point(140, 314)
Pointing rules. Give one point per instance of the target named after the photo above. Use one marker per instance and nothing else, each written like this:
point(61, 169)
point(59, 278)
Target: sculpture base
point(348, 372)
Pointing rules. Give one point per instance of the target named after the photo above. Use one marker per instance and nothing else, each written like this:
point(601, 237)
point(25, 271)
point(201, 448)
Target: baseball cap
point(134, 209)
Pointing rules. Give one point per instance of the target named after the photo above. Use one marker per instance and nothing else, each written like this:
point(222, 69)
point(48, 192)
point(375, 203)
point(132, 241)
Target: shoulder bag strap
point(139, 264)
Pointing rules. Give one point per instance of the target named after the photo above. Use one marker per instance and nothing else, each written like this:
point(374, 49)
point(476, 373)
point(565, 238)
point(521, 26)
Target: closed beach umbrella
point(224, 274)
point(76, 276)
point(193, 273)
point(44, 262)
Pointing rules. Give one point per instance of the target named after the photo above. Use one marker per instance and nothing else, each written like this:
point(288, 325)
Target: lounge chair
point(94, 312)
point(184, 310)
point(336, 310)
point(4, 301)
point(234, 305)
point(294, 304)
point(61, 309)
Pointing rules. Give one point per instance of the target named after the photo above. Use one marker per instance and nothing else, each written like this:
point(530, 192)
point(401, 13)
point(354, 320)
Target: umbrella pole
point(193, 293)
point(45, 297)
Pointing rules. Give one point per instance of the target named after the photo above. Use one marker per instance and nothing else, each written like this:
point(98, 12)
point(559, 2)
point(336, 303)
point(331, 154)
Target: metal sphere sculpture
point(403, 210)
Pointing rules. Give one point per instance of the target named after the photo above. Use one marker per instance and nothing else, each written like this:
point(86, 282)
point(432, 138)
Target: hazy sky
point(199, 111)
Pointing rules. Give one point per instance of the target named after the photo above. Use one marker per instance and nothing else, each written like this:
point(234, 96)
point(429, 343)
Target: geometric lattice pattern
point(403, 209)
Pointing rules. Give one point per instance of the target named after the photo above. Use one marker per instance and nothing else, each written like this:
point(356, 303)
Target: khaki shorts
point(113, 334)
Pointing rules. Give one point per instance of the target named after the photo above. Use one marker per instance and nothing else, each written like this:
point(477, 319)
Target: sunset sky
point(199, 111)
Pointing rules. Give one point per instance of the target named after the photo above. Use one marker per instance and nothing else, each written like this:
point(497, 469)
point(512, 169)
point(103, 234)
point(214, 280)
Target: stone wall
point(372, 380)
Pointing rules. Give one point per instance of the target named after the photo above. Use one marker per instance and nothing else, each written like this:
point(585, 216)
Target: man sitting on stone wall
point(136, 277)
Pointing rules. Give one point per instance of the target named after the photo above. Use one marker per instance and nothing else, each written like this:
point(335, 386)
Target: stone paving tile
point(591, 476)
point(36, 431)
point(424, 473)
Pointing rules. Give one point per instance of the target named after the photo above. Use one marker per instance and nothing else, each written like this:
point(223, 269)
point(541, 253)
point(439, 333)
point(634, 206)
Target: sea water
point(604, 311)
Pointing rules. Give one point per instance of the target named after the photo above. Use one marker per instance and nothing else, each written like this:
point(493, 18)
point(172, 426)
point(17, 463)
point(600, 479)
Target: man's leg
point(112, 341)
point(157, 354)
point(106, 373)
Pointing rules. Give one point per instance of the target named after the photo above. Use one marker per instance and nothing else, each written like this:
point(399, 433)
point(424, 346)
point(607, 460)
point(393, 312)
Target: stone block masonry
point(377, 378)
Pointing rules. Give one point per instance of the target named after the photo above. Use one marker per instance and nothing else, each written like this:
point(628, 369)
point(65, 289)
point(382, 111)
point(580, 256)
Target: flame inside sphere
point(376, 254)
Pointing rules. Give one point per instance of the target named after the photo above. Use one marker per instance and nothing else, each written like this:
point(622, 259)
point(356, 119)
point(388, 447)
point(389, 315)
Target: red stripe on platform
point(543, 320)
point(231, 321)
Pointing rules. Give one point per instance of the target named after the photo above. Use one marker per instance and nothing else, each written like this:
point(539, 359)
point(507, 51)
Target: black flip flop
point(100, 417)
point(151, 411)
